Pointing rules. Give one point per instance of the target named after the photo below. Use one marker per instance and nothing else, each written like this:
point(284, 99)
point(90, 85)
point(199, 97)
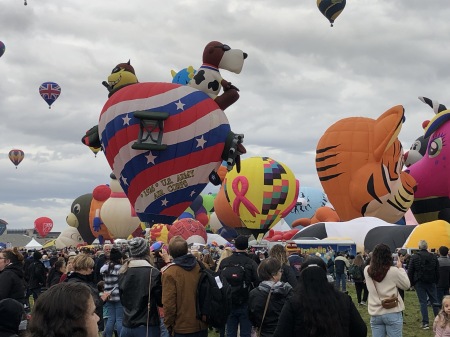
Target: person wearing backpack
point(37, 275)
point(240, 271)
point(423, 272)
point(356, 271)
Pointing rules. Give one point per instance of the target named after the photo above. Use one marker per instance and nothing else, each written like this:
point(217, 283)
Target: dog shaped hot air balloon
point(162, 141)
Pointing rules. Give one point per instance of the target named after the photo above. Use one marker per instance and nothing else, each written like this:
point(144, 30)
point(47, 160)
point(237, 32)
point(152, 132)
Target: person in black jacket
point(55, 273)
point(11, 313)
point(269, 272)
point(444, 274)
point(139, 281)
point(316, 308)
point(229, 267)
point(37, 274)
point(423, 273)
point(280, 253)
point(12, 283)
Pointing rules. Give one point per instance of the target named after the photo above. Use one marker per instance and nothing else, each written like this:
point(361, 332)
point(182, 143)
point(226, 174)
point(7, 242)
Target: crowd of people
point(139, 290)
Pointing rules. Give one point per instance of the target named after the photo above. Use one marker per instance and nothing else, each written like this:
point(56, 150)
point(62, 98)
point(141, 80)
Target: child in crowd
point(441, 326)
point(101, 290)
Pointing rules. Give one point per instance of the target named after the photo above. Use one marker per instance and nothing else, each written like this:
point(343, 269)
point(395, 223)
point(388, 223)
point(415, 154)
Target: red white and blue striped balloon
point(162, 184)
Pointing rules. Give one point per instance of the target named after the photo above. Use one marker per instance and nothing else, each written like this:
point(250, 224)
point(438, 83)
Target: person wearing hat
point(11, 312)
point(140, 292)
point(239, 263)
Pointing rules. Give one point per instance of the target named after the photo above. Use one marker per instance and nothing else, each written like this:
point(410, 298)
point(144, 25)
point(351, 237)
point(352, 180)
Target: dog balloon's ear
point(128, 61)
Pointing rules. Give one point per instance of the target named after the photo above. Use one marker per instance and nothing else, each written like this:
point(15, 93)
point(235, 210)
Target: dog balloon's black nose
point(245, 55)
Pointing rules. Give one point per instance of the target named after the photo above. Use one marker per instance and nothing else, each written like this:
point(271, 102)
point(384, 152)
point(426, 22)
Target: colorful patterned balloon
point(262, 193)
point(162, 183)
point(16, 156)
point(50, 92)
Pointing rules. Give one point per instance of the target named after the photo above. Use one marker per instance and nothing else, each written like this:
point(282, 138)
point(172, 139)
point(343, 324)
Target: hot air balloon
point(331, 8)
point(262, 193)
point(189, 229)
point(50, 92)
point(95, 150)
point(2, 48)
point(16, 156)
point(3, 224)
point(162, 140)
point(309, 200)
point(43, 226)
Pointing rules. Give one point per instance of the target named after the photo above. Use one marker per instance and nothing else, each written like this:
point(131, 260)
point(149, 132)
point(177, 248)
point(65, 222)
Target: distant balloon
point(331, 8)
point(50, 92)
point(95, 150)
point(43, 226)
point(2, 48)
point(16, 156)
point(3, 224)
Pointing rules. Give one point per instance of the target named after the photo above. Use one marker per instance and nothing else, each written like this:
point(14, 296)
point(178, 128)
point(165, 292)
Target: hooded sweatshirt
point(179, 291)
point(10, 316)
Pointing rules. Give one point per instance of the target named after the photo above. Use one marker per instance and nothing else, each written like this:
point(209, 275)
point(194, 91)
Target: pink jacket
point(438, 330)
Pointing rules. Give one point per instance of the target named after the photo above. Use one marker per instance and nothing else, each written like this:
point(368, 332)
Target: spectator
point(101, 261)
point(66, 309)
point(37, 274)
point(83, 266)
point(12, 282)
point(225, 253)
point(330, 264)
point(11, 313)
point(423, 272)
point(316, 308)
point(140, 292)
point(241, 272)
point(382, 280)
point(110, 274)
point(360, 283)
point(266, 301)
point(288, 275)
point(56, 272)
point(295, 261)
point(179, 284)
point(441, 326)
point(444, 274)
point(341, 265)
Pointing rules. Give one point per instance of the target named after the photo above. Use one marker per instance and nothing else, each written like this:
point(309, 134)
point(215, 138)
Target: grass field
point(412, 315)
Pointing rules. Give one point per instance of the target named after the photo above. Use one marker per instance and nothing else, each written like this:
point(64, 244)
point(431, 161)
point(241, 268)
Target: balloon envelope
point(262, 193)
point(2, 48)
point(43, 225)
point(3, 224)
point(331, 9)
point(308, 201)
point(16, 156)
point(50, 92)
point(161, 184)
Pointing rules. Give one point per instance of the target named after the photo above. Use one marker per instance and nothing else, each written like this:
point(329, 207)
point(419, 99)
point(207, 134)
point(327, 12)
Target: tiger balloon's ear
point(387, 129)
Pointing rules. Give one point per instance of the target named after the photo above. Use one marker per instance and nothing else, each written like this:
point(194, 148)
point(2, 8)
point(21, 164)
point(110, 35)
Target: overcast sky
point(300, 77)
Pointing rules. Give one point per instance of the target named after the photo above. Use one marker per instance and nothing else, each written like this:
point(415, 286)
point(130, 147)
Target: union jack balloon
point(50, 92)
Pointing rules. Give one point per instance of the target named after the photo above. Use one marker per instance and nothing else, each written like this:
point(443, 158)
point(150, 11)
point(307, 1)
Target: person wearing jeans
point(424, 292)
point(383, 281)
point(341, 265)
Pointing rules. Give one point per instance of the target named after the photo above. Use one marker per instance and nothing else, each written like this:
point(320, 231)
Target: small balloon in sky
point(16, 156)
point(2, 48)
point(50, 92)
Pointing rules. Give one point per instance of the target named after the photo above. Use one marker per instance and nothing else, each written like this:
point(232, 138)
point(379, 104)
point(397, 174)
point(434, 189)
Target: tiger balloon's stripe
point(157, 181)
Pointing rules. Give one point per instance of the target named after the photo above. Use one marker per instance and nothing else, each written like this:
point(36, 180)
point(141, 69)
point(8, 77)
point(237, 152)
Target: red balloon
point(43, 225)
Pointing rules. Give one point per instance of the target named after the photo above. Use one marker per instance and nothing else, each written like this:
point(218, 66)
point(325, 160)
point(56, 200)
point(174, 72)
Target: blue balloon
point(186, 215)
point(2, 228)
point(197, 203)
point(309, 200)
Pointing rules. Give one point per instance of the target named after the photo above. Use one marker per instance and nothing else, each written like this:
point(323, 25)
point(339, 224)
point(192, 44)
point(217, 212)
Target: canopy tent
point(33, 244)
point(216, 238)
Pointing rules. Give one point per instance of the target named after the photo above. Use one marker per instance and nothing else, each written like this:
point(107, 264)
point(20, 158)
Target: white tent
point(217, 238)
point(33, 244)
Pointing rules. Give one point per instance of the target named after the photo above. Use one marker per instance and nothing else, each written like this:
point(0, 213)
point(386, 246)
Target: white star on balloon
point(151, 158)
point(192, 193)
point(201, 142)
point(164, 202)
point(180, 106)
point(124, 180)
point(126, 120)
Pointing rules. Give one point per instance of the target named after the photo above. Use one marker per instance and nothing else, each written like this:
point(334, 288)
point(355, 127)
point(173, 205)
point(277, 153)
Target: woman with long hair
point(12, 282)
point(56, 272)
point(317, 308)
point(383, 280)
point(360, 283)
point(110, 272)
point(227, 252)
point(266, 301)
point(280, 253)
point(66, 309)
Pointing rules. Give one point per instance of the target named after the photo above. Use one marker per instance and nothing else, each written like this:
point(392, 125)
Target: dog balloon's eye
point(115, 70)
